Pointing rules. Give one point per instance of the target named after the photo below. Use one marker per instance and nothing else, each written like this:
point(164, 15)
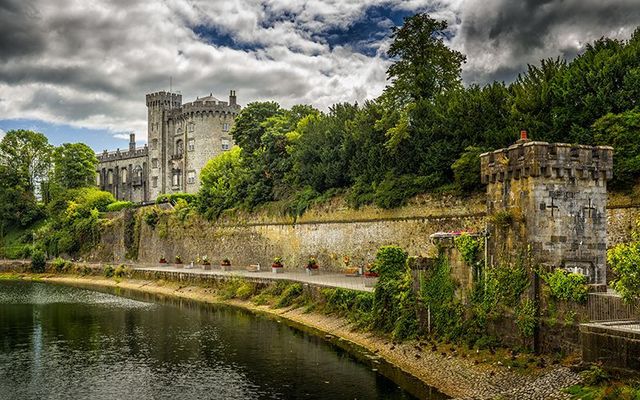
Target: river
point(64, 342)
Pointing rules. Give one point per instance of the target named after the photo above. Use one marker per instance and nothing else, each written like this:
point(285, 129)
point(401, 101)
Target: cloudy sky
point(79, 70)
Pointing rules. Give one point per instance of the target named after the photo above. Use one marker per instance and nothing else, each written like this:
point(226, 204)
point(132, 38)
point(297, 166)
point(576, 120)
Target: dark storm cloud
point(509, 34)
point(90, 63)
point(20, 33)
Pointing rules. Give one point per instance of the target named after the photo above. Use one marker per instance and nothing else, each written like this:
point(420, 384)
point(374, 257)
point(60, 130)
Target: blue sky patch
point(365, 34)
point(97, 139)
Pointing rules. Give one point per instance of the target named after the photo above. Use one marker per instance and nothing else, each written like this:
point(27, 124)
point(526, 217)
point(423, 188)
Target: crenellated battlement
point(204, 106)
point(549, 160)
point(122, 154)
point(171, 100)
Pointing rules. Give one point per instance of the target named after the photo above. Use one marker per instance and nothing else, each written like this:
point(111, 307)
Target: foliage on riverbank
point(600, 385)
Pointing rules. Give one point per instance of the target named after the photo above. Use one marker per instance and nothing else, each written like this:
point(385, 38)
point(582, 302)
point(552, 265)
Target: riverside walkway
point(322, 279)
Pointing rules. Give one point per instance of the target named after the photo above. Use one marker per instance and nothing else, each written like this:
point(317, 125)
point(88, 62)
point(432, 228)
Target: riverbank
point(457, 372)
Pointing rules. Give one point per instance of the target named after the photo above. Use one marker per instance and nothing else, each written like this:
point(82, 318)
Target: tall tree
point(423, 66)
point(75, 166)
point(28, 155)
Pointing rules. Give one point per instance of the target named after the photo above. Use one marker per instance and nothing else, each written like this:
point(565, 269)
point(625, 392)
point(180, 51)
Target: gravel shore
point(459, 373)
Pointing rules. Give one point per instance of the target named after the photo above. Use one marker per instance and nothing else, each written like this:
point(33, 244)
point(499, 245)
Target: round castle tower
point(183, 137)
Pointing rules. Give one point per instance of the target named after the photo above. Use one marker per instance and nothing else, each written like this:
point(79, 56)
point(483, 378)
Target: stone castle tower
point(549, 199)
point(181, 139)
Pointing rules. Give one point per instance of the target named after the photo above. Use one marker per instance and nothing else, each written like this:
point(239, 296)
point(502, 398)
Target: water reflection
point(61, 342)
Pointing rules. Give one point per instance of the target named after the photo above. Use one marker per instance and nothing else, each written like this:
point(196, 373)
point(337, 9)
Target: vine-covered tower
point(547, 201)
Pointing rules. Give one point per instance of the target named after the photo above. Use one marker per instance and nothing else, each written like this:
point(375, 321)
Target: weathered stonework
point(549, 199)
point(124, 173)
point(181, 139)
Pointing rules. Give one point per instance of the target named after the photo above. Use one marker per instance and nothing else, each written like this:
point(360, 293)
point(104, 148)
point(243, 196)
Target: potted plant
point(206, 265)
point(225, 264)
point(178, 262)
point(312, 266)
point(277, 267)
point(163, 260)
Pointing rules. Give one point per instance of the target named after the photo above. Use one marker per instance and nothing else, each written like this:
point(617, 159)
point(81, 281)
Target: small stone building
point(182, 138)
point(547, 202)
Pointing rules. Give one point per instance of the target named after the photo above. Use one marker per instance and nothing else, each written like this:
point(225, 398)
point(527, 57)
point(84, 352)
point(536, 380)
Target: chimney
point(132, 142)
point(232, 98)
point(523, 137)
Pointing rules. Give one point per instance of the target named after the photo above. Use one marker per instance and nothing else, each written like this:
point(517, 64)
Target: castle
point(181, 139)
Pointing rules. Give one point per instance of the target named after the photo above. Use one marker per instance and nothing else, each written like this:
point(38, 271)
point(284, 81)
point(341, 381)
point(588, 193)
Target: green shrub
point(108, 271)
point(61, 265)
point(526, 318)
point(289, 295)
point(595, 375)
point(469, 246)
point(152, 217)
point(119, 205)
point(245, 290)
point(174, 197)
point(121, 271)
point(38, 261)
point(567, 285)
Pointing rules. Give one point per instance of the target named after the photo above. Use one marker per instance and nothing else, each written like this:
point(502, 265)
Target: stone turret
point(549, 198)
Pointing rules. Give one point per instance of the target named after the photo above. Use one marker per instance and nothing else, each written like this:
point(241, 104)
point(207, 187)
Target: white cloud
point(90, 65)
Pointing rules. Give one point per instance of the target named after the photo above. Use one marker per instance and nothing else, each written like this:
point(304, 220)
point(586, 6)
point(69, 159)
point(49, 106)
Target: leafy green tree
point(466, 169)
point(75, 166)
point(28, 155)
point(248, 129)
point(423, 66)
point(320, 157)
point(223, 183)
point(622, 131)
point(624, 259)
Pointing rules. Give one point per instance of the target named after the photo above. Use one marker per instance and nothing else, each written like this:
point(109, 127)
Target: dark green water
point(60, 342)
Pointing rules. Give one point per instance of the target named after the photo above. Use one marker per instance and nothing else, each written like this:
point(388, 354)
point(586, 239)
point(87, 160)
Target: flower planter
point(206, 267)
point(277, 269)
point(163, 261)
point(225, 267)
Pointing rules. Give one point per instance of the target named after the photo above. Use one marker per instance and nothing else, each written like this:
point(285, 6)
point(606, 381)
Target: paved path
point(322, 279)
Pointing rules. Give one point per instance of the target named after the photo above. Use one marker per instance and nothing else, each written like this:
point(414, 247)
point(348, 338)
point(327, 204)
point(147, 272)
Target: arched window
point(123, 175)
point(98, 178)
point(137, 175)
point(179, 148)
point(110, 177)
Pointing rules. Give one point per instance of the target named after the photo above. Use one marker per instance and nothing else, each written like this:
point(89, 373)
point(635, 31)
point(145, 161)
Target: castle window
point(154, 144)
point(137, 175)
point(179, 148)
point(110, 177)
point(154, 182)
point(191, 144)
point(98, 178)
point(123, 175)
point(154, 163)
point(225, 127)
point(225, 144)
point(176, 178)
point(191, 126)
point(191, 177)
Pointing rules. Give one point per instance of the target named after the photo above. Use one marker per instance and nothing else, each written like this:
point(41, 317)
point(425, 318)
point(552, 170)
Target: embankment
point(456, 371)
